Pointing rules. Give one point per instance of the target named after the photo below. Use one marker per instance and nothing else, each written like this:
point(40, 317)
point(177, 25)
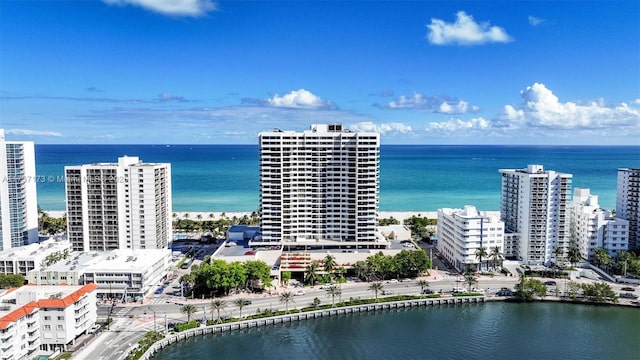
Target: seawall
point(288, 318)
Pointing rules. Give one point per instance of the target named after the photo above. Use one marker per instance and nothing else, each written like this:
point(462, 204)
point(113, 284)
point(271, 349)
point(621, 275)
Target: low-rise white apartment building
point(593, 227)
point(44, 317)
point(19, 330)
point(121, 274)
point(461, 232)
point(30, 257)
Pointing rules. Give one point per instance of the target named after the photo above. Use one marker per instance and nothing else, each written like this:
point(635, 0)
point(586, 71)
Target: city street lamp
point(154, 318)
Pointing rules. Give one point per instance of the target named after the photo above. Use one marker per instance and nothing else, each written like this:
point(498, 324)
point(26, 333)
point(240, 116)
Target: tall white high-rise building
point(534, 206)
point(461, 232)
point(593, 227)
point(123, 205)
point(628, 202)
point(319, 186)
point(18, 199)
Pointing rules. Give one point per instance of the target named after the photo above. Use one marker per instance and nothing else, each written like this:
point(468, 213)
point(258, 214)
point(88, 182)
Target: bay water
point(496, 331)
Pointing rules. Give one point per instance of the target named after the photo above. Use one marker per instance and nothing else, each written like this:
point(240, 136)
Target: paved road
point(132, 322)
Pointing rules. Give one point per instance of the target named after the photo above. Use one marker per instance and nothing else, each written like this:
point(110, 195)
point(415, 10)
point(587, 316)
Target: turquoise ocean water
point(413, 177)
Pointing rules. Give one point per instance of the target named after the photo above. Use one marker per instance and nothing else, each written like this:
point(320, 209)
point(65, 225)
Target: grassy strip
point(152, 336)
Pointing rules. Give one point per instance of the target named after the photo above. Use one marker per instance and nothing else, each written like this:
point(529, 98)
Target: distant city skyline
point(417, 72)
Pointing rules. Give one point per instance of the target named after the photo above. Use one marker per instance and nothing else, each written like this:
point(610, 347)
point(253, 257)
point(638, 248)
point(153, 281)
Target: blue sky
point(418, 72)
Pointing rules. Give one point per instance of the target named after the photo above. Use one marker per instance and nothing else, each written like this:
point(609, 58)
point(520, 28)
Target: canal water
point(496, 330)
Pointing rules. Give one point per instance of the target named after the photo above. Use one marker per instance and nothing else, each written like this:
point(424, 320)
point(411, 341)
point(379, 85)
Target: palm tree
point(217, 305)
point(199, 216)
point(240, 303)
point(559, 253)
point(334, 291)
point(375, 287)
point(573, 255)
point(602, 257)
point(423, 284)
point(329, 263)
point(312, 273)
point(496, 256)
point(480, 253)
point(286, 297)
point(188, 309)
point(470, 280)
point(341, 272)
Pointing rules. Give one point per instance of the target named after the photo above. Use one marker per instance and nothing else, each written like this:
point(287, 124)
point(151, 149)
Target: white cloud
point(192, 8)
point(542, 114)
point(454, 125)
point(432, 104)
point(541, 108)
point(465, 31)
point(535, 21)
point(298, 99)
point(368, 126)
point(636, 101)
point(460, 107)
point(27, 132)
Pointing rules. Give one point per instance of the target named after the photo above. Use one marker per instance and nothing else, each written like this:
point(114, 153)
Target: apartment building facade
point(319, 186)
point(628, 202)
point(533, 207)
point(48, 318)
point(594, 227)
point(123, 205)
point(461, 232)
point(18, 199)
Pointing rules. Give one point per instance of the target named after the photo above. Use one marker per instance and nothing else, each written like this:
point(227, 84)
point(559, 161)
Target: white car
point(325, 286)
point(299, 293)
point(94, 329)
point(392, 281)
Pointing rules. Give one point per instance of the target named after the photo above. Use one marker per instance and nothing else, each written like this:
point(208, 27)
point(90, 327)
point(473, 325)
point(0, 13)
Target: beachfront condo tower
point(123, 205)
point(628, 202)
point(18, 199)
point(533, 208)
point(319, 187)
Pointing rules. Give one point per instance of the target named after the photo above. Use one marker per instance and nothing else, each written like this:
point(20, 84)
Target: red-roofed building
point(44, 317)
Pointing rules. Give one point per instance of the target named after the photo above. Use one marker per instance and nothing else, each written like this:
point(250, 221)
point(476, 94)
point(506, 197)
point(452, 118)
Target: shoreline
point(207, 215)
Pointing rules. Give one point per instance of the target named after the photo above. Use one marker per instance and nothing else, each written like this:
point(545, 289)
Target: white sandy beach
point(193, 215)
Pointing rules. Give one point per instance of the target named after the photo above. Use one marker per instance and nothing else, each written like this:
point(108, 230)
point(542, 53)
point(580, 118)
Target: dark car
point(427, 291)
point(550, 283)
point(628, 288)
point(628, 296)
point(504, 292)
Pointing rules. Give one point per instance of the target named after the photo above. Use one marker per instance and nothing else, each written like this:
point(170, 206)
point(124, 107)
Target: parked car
point(459, 290)
point(94, 329)
point(325, 286)
point(387, 292)
point(550, 283)
point(504, 292)
point(392, 281)
point(628, 296)
point(427, 291)
point(628, 288)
